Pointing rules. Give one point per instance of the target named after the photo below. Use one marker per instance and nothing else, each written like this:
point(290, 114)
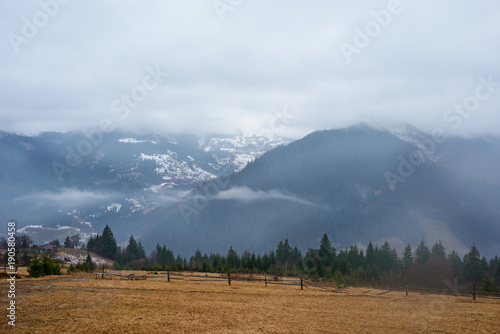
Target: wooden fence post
point(103, 270)
point(406, 288)
point(301, 283)
point(265, 279)
point(229, 278)
point(168, 275)
point(474, 291)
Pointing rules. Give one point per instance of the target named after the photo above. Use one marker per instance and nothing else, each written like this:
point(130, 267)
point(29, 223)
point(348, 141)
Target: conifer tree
point(422, 254)
point(370, 258)
point(472, 265)
point(496, 275)
point(456, 262)
point(140, 251)
point(67, 243)
point(132, 249)
point(35, 268)
point(407, 257)
point(438, 251)
point(232, 259)
point(325, 251)
point(108, 243)
point(88, 266)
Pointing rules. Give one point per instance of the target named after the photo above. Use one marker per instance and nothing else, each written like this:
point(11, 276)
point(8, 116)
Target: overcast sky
point(239, 66)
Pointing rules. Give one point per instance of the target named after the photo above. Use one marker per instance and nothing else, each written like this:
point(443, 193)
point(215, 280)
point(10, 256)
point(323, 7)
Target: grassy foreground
point(83, 304)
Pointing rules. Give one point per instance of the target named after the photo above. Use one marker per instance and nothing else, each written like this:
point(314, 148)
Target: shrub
point(71, 269)
point(50, 267)
point(489, 285)
point(35, 268)
point(86, 266)
point(43, 266)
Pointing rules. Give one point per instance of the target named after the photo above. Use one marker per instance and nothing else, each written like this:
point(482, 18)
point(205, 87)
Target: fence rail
point(446, 291)
point(292, 281)
point(230, 277)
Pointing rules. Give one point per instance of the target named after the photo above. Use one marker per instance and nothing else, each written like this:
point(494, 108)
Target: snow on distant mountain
point(418, 139)
point(138, 172)
point(135, 141)
point(239, 151)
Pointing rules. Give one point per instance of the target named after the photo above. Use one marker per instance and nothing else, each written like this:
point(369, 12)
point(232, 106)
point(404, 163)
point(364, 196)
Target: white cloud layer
point(66, 197)
point(68, 66)
point(247, 195)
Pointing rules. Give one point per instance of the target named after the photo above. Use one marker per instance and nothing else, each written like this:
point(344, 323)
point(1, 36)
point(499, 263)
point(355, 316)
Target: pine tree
point(384, 259)
point(272, 258)
point(456, 263)
point(438, 251)
point(108, 243)
point(283, 252)
point(325, 251)
point(407, 257)
point(253, 262)
point(496, 275)
point(158, 253)
point(140, 250)
point(232, 259)
point(489, 285)
point(266, 264)
point(484, 266)
point(422, 254)
point(472, 265)
point(67, 243)
point(370, 258)
point(132, 249)
point(88, 265)
point(35, 268)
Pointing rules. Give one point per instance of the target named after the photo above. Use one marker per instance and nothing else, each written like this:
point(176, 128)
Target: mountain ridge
point(330, 181)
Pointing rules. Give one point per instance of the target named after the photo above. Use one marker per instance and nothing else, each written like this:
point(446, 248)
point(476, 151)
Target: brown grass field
point(82, 304)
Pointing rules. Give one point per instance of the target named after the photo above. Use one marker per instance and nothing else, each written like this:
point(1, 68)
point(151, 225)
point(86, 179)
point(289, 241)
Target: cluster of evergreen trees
point(376, 266)
point(133, 256)
point(104, 245)
point(352, 266)
point(86, 266)
point(43, 266)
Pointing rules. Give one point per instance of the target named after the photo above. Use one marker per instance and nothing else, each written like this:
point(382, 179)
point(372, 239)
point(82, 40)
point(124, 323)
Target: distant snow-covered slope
point(124, 175)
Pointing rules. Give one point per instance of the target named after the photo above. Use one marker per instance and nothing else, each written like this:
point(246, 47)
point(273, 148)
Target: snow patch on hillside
point(114, 207)
point(136, 141)
point(170, 167)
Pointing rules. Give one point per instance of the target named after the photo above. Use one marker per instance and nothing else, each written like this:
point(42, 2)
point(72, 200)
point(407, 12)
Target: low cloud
point(65, 197)
point(247, 195)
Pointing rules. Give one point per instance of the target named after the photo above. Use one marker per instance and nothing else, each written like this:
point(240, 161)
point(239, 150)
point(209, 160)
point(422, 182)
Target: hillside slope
point(336, 182)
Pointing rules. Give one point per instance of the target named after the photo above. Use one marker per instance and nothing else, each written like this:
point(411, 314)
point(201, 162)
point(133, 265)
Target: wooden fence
point(291, 281)
point(474, 293)
point(229, 277)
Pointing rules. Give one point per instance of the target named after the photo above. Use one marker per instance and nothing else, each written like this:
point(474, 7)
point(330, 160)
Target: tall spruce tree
point(325, 251)
point(67, 243)
point(472, 265)
point(140, 250)
point(438, 251)
point(456, 263)
point(422, 254)
point(108, 243)
point(371, 257)
point(496, 274)
point(132, 249)
point(407, 257)
point(232, 259)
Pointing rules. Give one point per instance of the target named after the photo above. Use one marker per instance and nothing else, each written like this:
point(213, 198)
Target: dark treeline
point(377, 266)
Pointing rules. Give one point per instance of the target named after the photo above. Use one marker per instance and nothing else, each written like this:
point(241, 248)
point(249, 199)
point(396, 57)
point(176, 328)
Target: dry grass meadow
point(82, 304)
